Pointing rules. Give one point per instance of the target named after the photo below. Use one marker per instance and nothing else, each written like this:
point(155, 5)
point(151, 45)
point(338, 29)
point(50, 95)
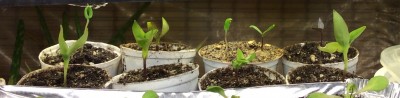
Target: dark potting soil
point(78, 77)
point(155, 72)
point(318, 73)
point(309, 54)
point(163, 46)
point(247, 76)
point(218, 52)
point(89, 55)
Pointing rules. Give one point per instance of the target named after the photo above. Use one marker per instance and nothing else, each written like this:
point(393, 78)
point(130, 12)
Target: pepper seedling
point(227, 24)
point(143, 40)
point(343, 38)
point(150, 94)
point(241, 60)
point(377, 83)
point(67, 51)
point(164, 30)
point(220, 91)
point(262, 33)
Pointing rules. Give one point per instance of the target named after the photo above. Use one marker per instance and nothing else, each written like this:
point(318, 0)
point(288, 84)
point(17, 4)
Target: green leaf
point(217, 89)
point(146, 42)
point(376, 83)
point(340, 29)
point(234, 96)
point(151, 26)
point(63, 46)
point(227, 24)
point(355, 33)
point(239, 54)
point(321, 95)
point(165, 27)
point(351, 87)
point(251, 57)
point(331, 47)
point(256, 28)
point(88, 11)
point(150, 94)
point(269, 29)
point(138, 32)
point(80, 42)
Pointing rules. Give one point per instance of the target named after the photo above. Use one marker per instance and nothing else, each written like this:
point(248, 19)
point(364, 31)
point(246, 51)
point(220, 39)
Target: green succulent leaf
point(88, 12)
point(150, 94)
point(331, 47)
point(355, 33)
point(165, 27)
point(227, 24)
point(256, 28)
point(321, 95)
point(217, 89)
point(269, 29)
point(340, 29)
point(376, 83)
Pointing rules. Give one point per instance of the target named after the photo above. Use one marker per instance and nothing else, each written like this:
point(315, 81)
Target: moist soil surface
point(163, 46)
point(218, 52)
point(318, 73)
point(247, 76)
point(155, 72)
point(89, 55)
point(78, 77)
point(309, 54)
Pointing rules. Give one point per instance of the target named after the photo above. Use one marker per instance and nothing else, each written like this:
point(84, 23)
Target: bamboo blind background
point(193, 20)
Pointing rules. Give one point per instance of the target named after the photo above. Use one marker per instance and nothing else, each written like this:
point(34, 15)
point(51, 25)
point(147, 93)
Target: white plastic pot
point(213, 71)
point(132, 59)
point(184, 82)
point(390, 62)
point(110, 66)
point(352, 65)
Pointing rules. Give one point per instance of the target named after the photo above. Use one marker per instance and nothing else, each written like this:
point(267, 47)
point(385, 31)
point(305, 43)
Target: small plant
point(226, 28)
point(241, 60)
point(65, 51)
point(377, 83)
point(143, 40)
point(320, 29)
point(343, 38)
point(150, 94)
point(262, 33)
point(164, 30)
point(220, 91)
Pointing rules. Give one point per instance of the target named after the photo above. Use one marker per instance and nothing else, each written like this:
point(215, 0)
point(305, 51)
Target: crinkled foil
point(273, 91)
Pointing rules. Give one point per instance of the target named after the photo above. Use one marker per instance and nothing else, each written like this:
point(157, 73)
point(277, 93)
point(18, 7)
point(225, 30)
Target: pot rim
point(184, 50)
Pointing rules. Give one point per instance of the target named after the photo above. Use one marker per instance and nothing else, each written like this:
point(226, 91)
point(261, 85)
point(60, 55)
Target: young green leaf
point(150, 94)
point(240, 59)
point(88, 12)
point(340, 29)
point(376, 83)
point(227, 24)
point(331, 47)
point(321, 95)
point(217, 89)
point(269, 28)
point(151, 26)
point(258, 30)
point(138, 32)
point(165, 27)
point(355, 33)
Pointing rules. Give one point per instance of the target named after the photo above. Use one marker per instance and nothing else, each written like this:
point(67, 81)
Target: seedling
point(262, 33)
point(377, 83)
point(320, 29)
point(343, 38)
point(220, 91)
point(67, 51)
point(226, 28)
point(150, 94)
point(164, 30)
point(143, 40)
point(241, 60)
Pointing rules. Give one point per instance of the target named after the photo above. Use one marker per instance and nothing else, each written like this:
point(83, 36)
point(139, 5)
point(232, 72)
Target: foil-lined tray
point(272, 91)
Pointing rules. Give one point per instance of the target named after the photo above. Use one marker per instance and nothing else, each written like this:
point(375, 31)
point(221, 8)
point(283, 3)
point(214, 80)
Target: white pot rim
point(256, 63)
point(213, 70)
point(326, 64)
point(115, 79)
point(115, 50)
point(161, 51)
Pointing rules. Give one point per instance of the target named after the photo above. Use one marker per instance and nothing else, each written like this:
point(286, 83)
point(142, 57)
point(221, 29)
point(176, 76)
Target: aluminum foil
point(273, 91)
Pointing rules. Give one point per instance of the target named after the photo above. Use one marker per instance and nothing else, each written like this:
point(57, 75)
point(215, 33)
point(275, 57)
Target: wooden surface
point(192, 21)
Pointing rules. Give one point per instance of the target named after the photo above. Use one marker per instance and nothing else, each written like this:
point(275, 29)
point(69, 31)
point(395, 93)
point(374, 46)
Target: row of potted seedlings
point(167, 67)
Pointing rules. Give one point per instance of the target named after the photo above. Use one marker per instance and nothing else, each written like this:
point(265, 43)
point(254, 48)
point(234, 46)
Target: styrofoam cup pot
point(110, 66)
point(132, 59)
point(352, 65)
point(390, 62)
point(184, 82)
point(213, 64)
